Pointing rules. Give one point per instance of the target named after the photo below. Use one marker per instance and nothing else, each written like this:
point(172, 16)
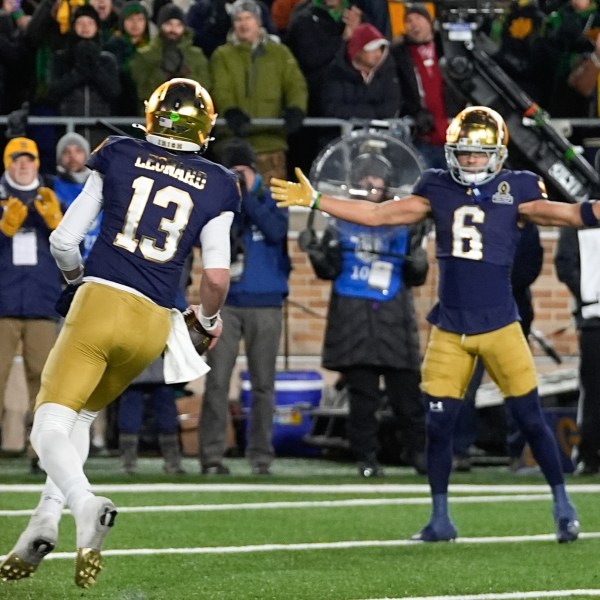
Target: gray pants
point(260, 329)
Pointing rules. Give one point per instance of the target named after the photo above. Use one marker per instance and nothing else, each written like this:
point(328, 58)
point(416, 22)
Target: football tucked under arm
point(201, 337)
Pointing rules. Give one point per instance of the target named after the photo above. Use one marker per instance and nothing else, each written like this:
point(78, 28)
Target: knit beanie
point(168, 12)
point(365, 37)
point(85, 10)
point(71, 139)
point(246, 6)
point(238, 152)
point(132, 7)
point(419, 9)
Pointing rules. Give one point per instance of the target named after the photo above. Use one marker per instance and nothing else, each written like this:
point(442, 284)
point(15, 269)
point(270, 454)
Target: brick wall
point(308, 301)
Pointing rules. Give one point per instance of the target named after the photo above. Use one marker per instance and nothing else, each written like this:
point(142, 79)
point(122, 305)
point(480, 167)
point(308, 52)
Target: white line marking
point(365, 488)
point(509, 539)
point(304, 504)
point(506, 595)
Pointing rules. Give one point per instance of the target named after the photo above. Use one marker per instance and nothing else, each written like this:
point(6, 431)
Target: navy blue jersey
point(476, 237)
point(156, 203)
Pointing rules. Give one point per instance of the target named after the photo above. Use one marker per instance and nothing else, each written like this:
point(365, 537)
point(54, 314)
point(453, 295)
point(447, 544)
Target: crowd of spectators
point(101, 59)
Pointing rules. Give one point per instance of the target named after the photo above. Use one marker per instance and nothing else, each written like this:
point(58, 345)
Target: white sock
point(59, 457)
point(52, 499)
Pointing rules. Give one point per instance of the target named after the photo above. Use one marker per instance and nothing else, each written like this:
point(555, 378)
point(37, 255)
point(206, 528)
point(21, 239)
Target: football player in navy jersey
point(159, 197)
point(477, 207)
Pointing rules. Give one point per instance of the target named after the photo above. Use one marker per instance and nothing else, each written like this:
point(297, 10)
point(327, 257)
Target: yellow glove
point(289, 193)
point(47, 204)
point(14, 213)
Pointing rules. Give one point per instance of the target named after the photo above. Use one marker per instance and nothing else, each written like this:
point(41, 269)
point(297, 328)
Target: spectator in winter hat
point(361, 81)
point(72, 152)
point(84, 80)
point(256, 76)
point(134, 33)
point(426, 98)
point(170, 54)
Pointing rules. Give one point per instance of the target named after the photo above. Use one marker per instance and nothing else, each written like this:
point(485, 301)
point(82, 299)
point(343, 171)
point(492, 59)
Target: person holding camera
point(371, 330)
point(30, 278)
point(252, 312)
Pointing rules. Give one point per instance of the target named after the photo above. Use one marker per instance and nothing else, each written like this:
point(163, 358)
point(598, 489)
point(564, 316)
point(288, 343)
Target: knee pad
point(51, 417)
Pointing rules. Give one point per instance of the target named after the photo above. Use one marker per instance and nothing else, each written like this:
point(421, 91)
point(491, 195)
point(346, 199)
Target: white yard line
point(365, 488)
point(305, 504)
point(506, 595)
point(509, 539)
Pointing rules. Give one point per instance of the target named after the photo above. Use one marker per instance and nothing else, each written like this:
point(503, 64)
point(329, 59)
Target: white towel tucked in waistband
point(182, 362)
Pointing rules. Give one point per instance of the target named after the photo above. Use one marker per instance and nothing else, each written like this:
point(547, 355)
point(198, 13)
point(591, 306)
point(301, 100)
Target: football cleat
point(567, 524)
point(93, 524)
point(38, 539)
point(438, 530)
point(567, 530)
point(370, 469)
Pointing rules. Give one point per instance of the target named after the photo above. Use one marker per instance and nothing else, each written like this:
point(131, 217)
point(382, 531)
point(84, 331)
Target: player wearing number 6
point(477, 207)
point(159, 197)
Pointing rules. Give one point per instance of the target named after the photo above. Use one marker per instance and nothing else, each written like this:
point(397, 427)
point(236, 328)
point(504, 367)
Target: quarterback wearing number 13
point(159, 197)
point(477, 207)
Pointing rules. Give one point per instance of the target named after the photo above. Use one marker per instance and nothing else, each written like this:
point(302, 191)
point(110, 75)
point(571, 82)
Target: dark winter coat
point(314, 38)
point(362, 332)
point(345, 94)
point(30, 290)
point(84, 79)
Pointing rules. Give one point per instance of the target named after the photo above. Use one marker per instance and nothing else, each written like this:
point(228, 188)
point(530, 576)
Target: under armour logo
point(436, 406)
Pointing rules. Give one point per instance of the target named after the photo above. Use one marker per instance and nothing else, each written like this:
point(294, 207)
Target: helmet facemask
point(476, 129)
point(180, 116)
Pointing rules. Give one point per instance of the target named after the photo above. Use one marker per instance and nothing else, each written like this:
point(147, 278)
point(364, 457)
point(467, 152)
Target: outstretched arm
point(405, 211)
point(546, 212)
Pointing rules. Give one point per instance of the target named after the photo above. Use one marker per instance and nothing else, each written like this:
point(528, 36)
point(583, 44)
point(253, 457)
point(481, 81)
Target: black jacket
point(346, 95)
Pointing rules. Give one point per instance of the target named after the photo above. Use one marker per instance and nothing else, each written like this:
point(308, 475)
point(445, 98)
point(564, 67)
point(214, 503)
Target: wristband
point(77, 279)
point(208, 323)
point(587, 214)
point(314, 203)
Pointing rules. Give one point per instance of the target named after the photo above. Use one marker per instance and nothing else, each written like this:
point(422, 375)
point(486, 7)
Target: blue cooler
point(296, 394)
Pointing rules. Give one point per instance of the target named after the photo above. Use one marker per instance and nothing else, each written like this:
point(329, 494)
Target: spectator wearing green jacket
point(170, 54)
point(255, 76)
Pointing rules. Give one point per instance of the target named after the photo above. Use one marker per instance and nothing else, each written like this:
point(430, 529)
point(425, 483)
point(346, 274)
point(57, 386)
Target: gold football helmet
point(476, 129)
point(180, 116)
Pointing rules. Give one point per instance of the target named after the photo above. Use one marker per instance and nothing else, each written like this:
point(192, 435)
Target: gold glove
point(47, 204)
point(14, 213)
point(288, 193)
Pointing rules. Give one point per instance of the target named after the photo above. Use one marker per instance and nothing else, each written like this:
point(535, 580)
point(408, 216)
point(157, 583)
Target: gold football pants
point(450, 359)
point(109, 336)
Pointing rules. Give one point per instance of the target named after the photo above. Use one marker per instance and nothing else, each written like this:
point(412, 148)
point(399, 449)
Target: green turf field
point(313, 530)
